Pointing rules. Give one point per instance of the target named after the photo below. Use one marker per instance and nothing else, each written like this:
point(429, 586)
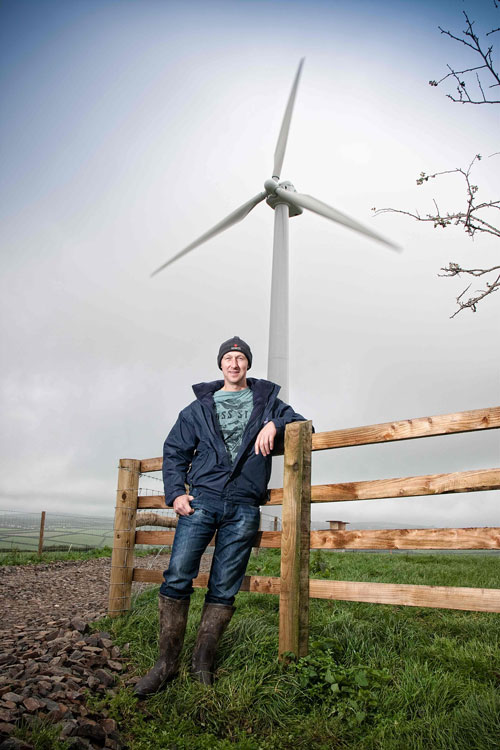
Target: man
point(221, 448)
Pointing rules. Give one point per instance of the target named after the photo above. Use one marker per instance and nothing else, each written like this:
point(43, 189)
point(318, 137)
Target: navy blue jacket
point(195, 453)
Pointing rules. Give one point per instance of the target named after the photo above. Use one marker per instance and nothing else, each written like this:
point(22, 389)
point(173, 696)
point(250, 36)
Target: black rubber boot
point(214, 620)
point(173, 619)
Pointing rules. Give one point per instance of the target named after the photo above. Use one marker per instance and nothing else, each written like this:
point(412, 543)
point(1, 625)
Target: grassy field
point(377, 677)
point(63, 539)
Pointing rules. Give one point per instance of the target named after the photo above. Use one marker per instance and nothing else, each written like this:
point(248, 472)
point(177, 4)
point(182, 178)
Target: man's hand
point(182, 505)
point(265, 439)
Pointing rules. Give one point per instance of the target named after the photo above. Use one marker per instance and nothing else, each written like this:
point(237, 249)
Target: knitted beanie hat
point(235, 345)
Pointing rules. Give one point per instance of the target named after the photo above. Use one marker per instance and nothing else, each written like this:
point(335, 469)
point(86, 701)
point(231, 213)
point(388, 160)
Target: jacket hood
point(261, 388)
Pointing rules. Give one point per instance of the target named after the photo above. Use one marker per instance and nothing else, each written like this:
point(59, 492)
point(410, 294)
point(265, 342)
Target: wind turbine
point(286, 202)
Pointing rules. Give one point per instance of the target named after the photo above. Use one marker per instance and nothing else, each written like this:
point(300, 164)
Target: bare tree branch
point(453, 269)
point(473, 42)
point(469, 217)
point(474, 216)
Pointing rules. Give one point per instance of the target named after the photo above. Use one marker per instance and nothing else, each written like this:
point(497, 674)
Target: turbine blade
point(279, 153)
point(233, 218)
point(323, 209)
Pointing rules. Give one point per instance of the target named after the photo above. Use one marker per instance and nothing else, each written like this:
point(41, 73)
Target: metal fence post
point(122, 560)
point(295, 540)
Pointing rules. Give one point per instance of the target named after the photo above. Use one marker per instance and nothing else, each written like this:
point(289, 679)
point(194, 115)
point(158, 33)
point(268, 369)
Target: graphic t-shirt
point(233, 412)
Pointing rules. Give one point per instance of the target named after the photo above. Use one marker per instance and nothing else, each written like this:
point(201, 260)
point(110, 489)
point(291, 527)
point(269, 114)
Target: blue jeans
point(236, 525)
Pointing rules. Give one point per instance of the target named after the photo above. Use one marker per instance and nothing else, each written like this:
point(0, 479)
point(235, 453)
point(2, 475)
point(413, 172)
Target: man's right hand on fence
point(182, 505)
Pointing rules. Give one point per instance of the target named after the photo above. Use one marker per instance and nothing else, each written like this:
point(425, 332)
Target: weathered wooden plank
point(428, 484)
point(296, 519)
point(469, 538)
point(151, 464)
point(151, 502)
point(305, 545)
point(443, 424)
point(122, 559)
point(256, 584)
point(158, 538)
point(255, 549)
point(406, 429)
point(446, 597)
point(147, 575)
point(268, 539)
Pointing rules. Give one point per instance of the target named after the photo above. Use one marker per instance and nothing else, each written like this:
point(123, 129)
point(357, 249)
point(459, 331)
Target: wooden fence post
point(122, 560)
point(295, 542)
point(40, 538)
point(255, 550)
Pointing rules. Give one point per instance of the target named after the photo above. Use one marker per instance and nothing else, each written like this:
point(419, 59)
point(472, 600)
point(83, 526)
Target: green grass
point(22, 557)
point(427, 569)
point(378, 677)
point(41, 735)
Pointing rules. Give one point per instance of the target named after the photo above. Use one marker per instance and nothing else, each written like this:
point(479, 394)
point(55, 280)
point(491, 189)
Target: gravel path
point(48, 658)
point(36, 594)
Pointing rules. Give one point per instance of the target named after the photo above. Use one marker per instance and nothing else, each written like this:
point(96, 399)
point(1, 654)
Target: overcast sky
point(129, 128)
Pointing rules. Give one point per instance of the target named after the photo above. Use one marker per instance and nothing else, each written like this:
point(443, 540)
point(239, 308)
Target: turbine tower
point(286, 202)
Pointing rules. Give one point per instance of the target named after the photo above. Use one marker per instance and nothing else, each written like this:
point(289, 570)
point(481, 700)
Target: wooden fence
point(296, 539)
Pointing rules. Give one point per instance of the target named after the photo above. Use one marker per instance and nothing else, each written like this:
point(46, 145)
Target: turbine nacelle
point(275, 195)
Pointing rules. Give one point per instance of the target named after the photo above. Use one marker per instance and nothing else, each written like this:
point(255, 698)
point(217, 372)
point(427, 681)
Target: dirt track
point(48, 658)
point(35, 594)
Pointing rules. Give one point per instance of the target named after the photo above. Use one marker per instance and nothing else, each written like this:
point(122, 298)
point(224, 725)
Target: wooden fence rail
point(296, 539)
point(409, 595)
point(387, 432)
point(460, 539)
point(376, 489)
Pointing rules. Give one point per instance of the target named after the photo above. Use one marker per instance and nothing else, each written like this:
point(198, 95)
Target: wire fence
point(20, 530)
point(63, 532)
